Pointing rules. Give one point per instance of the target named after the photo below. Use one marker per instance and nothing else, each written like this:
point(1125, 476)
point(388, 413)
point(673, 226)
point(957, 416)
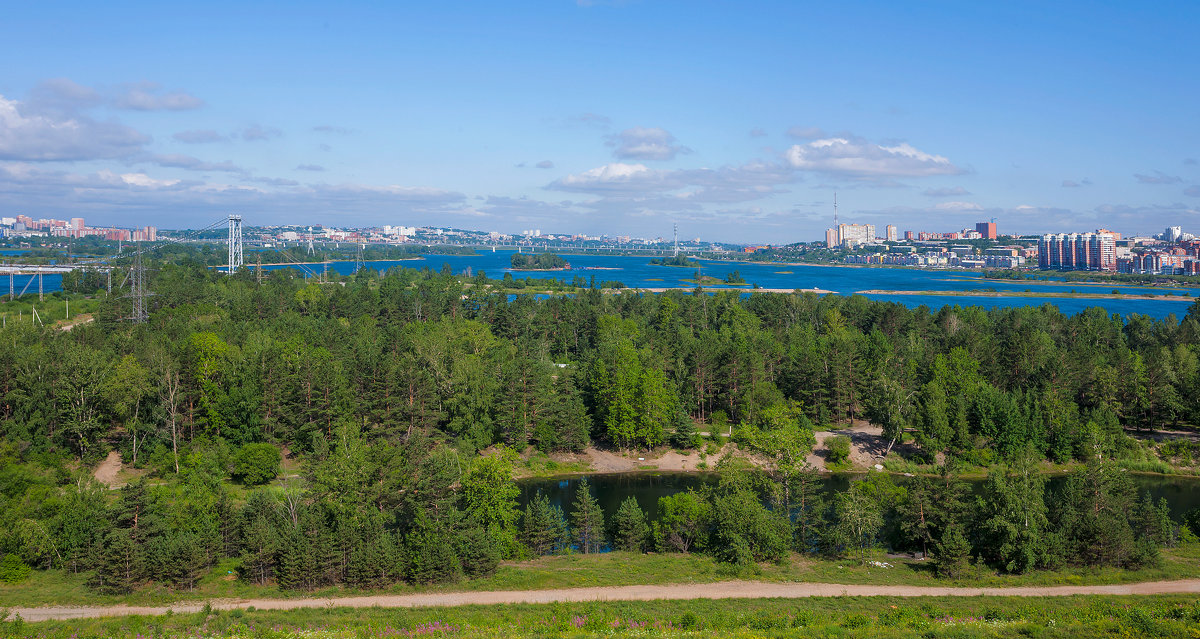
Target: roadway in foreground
point(718, 590)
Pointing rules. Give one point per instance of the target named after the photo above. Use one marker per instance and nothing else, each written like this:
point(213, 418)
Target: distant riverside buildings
point(852, 235)
point(1095, 251)
point(1181, 259)
point(25, 225)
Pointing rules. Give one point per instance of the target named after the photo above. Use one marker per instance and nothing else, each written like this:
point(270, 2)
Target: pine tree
point(429, 555)
point(543, 526)
point(292, 573)
point(588, 520)
point(951, 553)
point(630, 530)
point(120, 565)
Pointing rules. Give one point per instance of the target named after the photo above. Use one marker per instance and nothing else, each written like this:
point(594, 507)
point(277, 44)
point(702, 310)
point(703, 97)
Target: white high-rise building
point(855, 234)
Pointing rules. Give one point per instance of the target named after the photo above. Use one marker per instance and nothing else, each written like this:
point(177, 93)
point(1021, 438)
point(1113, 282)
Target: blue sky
point(737, 120)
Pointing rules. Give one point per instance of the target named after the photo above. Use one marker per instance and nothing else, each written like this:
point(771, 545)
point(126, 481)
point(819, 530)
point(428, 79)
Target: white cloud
point(310, 167)
point(617, 177)
point(28, 135)
point(142, 180)
point(639, 188)
point(643, 143)
point(857, 158)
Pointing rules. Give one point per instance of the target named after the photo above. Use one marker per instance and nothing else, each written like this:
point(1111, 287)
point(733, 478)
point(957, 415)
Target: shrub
point(838, 449)
point(256, 464)
point(12, 569)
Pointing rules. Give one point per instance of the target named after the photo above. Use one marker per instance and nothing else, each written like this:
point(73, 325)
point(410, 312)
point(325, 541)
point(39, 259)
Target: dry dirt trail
point(721, 590)
point(106, 471)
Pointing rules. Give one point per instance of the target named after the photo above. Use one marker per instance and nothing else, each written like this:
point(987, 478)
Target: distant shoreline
point(1039, 294)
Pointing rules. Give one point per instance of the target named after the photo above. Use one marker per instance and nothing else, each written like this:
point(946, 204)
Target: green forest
point(364, 430)
point(540, 262)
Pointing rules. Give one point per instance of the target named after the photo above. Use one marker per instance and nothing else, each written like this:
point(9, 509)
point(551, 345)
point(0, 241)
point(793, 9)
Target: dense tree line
point(387, 385)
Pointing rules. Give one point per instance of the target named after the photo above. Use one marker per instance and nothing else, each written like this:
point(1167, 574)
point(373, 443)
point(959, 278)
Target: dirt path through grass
point(720, 590)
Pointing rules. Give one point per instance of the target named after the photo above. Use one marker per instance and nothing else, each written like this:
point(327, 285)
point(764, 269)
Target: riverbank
point(1056, 294)
point(664, 289)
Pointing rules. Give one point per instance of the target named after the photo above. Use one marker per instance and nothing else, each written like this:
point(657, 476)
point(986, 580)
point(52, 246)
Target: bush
point(12, 569)
point(838, 450)
point(256, 464)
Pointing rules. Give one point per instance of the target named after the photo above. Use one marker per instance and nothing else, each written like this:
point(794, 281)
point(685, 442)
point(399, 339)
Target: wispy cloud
point(179, 161)
point(256, 133)
point(805, 133)
point(545, 164)
point(148, 96)
point(310, 167)
point(1158, 177)
point(643, 143)
point(199, 136)
point(946, 192)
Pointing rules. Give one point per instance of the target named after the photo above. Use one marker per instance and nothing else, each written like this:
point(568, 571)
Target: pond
point(610, 489)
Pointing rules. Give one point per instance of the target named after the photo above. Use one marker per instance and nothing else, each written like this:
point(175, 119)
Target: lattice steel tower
point(137, 288)
point(235, 244)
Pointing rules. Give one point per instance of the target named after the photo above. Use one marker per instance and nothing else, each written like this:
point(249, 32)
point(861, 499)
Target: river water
point(610, 489)
point(636, 271)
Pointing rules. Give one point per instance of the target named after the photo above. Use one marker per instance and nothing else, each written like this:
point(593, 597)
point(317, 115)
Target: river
point(610, 489)
point(966, 288)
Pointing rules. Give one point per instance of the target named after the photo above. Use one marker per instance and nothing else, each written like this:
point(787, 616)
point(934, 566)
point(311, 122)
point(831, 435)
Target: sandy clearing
point(106, 472)
point(607, 461)
point(720, 590)
point(867, 445)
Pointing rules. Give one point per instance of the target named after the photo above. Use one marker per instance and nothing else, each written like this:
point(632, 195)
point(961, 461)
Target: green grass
point(850, 617)
point(52, 309)
point(610, 569)
point(541, 465)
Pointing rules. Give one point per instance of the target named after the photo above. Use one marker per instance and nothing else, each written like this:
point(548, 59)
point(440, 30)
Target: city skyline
point(739, 123)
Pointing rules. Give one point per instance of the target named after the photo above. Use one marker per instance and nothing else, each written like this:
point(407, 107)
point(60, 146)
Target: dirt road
point(722, 590)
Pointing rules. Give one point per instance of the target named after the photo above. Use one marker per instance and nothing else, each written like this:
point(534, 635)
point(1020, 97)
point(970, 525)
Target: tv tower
point(677, 238)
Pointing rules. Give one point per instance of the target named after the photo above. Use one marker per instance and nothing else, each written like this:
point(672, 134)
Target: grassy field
point(610, 569)
point(882, 617)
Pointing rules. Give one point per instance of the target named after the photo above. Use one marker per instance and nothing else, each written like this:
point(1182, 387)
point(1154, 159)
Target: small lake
point(610, 489)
